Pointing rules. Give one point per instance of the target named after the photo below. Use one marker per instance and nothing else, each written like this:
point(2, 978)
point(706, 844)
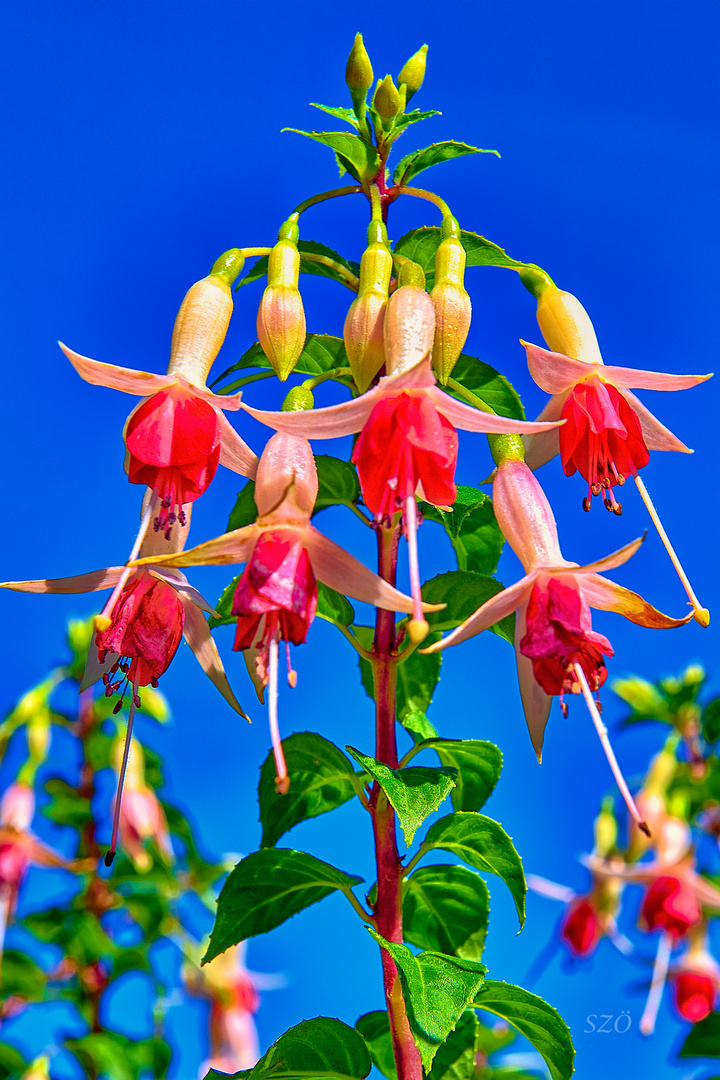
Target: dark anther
point(598, 706)
point(108, 860)
point(118, 707)
point(156, 524)
point(182, 517)
point(608, 505)
point(595, 489)
point(167, 534)
point(617, 509)
point(136, 701)
point(564, 709)
point(586, 504)
point(153, 683)
point(165, 504)
point(606, 482)
point(108, 688)
point(620, 479)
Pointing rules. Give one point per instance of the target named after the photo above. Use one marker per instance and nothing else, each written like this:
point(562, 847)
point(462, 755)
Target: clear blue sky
point(140, 140)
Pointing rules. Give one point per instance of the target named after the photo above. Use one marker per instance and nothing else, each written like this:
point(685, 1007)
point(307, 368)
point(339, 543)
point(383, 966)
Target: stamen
point(292, 675)
point(586, 504)
point(282, 780)
point(700, 614)
point(121, 780)
point(659, 976)
point(418, 627)
point(609, 754)
point(104, 620)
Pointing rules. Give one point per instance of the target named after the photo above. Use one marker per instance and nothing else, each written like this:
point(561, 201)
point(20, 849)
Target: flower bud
point(387, 102)
point(287, 461)
point(606, 830)
point(409, 329)
point(564, 322)
point(281, 317)
point(39, 1069)
point(642, 697)
point(363, 330)
point(358, 74)
point(453, 309)
point(298, 399)
point(200, 329)
point(413, 72)
point(17, 806)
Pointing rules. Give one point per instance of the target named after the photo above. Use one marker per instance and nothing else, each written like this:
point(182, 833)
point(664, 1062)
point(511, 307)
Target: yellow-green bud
point(662, 768)
point(564, 322)
point(606, 830)
point(453, 309)
point(229, 265)
point(642, 696)
point(413, 73)
point(38, 737)
point(281, 316)
point(358, 74)
point(298, 399)
point(387, 102)
point(363, 330)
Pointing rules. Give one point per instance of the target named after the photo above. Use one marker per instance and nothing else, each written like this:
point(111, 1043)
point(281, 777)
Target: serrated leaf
point(375, 1030)
point(337, 111)
point(267, 888)
point(489, 385)
point(313, 1050)
point(703, 1039)
point(307, 266)
point(412, 117)
point(437, 990)
point(418, 727)
point(421, 244)
point(455, 1060)
point(414, 793)
point(21, 976)
point(360, 158)
point(478, 764)
point(338, 483)
point(445, 909)
point(482, 843)
point(321, 778)
point(419, 160)
point(463, 592)
point(539, 1022)
point(321, 353)
point(472, 528)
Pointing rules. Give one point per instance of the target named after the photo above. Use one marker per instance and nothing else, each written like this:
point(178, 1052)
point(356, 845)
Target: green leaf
point(417, 677)
point(67, 807)
point(533, 1018)
point(307, 266)
point(333, 606)
point(463, 592)
point(103, 1054)
point(245, 510)
point(478, 764)
point(22, 976)
point(338, 483)
point(437, 990)
point(418, 160)
point(482, 843)
point(703, 1039)
point(321, 353)
point(265, 889)
point(338, 112)
point(77, 933)
point(445, 909)
point(313, 1050)
point(321, 778)
point(375, 1030)
point(412, 117)
point(359, 157)
point(224, 605)
point(711, 720)
point(455, 1060)
point(421, 244)
point(10, 1061)
point(489, 385)
point(414, 793)
point(418, 727)
point(473, 531)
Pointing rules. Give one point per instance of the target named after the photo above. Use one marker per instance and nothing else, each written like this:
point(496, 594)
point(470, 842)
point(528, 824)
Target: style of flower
point(276, 595)
point(142, 818)
point(408, 442)
point(177, 435)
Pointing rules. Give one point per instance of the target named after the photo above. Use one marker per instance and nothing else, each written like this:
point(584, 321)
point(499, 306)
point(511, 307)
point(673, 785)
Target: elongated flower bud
point(564, 322)
point(453, 309)
point(200, 329)
point(358, 74)
point(413, 72)
point(387, 102)
point(409, 329)
point(606, 830)
point(363, 330)
point(286, 460)
point(281, 317)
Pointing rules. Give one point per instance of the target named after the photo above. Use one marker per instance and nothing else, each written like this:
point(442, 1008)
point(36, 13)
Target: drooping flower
point(276, 596)
point(588, 917)
point(580, 928)
point(695, 993)
point(670, 904)
point(608, 433)
point(177, 435)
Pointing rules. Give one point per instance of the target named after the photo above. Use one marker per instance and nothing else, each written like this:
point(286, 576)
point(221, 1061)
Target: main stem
point(388, 904)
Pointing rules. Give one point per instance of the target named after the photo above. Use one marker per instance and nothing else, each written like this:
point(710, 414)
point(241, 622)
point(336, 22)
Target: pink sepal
point(198, 637)
point(656, 435)
point(606, 595)
point(92, 582)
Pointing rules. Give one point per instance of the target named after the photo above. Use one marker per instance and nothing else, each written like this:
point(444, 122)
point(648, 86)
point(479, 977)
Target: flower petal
point(610, 562)
point(706, 893)
point(624, 378)
point(183, 588)
point(327, 423)
point(656, 435)
point(343, 572)
point(470, 419)
point(198, 637)
point(231, 402)
point(92, 582)
point(250, 656)
point(555, 373)
point(606, 595)
point(129, 381)
point(93, 668)
point(235, 454)
point(494, 609)
point(536, 703)
point(544, 445)
point(225, 550)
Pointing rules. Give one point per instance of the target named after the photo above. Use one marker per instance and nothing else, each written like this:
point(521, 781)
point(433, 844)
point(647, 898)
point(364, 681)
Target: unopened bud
point(38, 733)
point(453, 309)
point(662, 768)
point(363, 330)
point(642, 696)
point(298, 398)
point(281, 317)
point(606, 830)
point(359, 74)
point(564, 322)
point(39, 1069)
point(200, 328)
point(413, 72)
point(387, 102)
point(409, 329)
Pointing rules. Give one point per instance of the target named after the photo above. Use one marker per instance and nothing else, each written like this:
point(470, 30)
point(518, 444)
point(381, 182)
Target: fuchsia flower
point(276, 596)
point(580, 928)
point(670, 904)
point(178, 434)
point(695, 994)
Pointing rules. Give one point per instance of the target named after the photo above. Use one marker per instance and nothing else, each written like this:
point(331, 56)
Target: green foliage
point(473, 531)
point(307, 266)
point(375, 1030)
point(67, 806)
point(333, 606)
point(445, 909)
point(463, 592)
point(419, 160)
point(413, 793)
point(488, 385)
point(321, 353)
point(418, 727)
point(711, 720)
point(437, 990)
point(114, 1056)
point(703, 1039)
point(320, 1049)
point(21, 976)
point(478, 764)
point(455, 1060)
point(417, 677)
point(353, 154)
point(10, 1061)
point(338, 483)
point(482, 843)
point(534, 1019)
point(421, 244)
point(321, 778)
point(265, 889)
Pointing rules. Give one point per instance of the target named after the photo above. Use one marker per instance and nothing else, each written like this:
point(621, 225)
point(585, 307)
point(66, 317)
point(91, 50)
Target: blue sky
point(142, 139)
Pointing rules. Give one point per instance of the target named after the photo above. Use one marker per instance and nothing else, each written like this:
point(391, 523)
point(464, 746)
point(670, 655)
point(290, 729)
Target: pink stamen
point(659, 977)
point(411, 537)
point(291, 673)
point(282, 780)
point(121, 780)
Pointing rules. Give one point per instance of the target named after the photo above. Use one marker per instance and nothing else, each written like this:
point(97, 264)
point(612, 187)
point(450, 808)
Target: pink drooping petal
point(328, 423)
point(344, 573)
point(470, 419)
point(535, 702)
point(418, 377)
point(656, 435)
point(185, 590)
point(235, 454)
point(232, 547)
point(128, 380)
point(494, 609)
point(633, 378)
point(610, 562)
point(555, 373)
point(92, 582)
point(230, 402)
point(606, 595)
point(198, 637)
point(706, 893)
point(545, 445)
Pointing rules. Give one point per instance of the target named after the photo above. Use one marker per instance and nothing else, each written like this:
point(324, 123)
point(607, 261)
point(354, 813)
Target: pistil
point(418, 627)
point(282, 780)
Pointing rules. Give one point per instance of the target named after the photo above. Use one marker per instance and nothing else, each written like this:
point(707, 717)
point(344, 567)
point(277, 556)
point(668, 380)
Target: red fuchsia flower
point(580, 927)
point(587, 917)
point(608, 433)
point(556, 649)
point(695, 979)
point(276, 596)
point(177, 435)
point(408, 442)
point(142, 818)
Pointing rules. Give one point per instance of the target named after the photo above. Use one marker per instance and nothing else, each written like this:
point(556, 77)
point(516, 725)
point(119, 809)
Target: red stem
point(388, 904)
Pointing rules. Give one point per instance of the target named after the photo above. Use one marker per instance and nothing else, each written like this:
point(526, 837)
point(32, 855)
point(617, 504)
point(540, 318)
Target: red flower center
point(173, 444)
point(405, 440)
point(145, 631)
point(601, 439)
point(560, 634)
point(581, 927)
point(694, 995)
point(670, 904)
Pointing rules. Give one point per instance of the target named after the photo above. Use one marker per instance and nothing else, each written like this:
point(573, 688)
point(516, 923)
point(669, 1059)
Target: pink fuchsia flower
point(580, 927)
point(408, 442)
point(695, 979)
point(276, 596)
point(670, 904)
point(608, 433)
point(587, 917)
point(142, 818)
point(177, 435)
